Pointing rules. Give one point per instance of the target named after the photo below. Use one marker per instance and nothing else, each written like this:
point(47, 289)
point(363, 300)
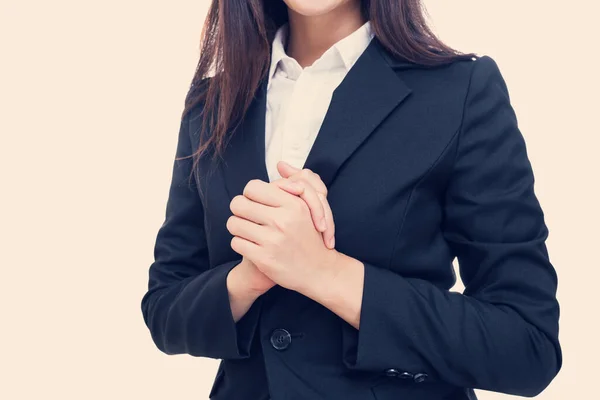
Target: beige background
point(90, 95)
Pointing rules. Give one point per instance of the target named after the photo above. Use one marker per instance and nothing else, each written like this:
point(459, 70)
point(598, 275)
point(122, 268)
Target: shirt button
point(281, 339)
point(420, 377)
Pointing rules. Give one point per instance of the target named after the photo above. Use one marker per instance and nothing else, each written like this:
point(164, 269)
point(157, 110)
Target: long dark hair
point(236, 43)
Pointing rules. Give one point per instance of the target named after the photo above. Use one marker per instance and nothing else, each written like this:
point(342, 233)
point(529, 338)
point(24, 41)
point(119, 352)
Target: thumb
point(286, 170)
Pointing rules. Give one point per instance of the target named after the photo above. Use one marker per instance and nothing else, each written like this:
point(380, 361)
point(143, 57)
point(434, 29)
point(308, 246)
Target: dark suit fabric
point(423, 165)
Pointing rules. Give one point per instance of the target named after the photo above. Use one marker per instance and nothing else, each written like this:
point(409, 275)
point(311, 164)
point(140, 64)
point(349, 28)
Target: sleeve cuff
point(379, 345)
point(226, 339)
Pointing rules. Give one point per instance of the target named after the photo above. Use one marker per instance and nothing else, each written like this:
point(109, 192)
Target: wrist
point(324, 276)
point(340, 288)
point(237, 283)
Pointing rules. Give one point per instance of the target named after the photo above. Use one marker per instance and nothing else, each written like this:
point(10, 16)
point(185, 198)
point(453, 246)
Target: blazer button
point(406, 375)
point(420, 378)
point(392, 372)
point(281, 339)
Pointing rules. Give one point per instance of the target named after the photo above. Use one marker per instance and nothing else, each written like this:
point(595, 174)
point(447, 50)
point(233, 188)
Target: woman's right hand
point(256, 282)
point(246, 280)
point(245, 283)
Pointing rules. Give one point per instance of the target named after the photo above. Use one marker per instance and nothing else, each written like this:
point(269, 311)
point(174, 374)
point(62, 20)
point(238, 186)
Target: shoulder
point(461, 70)
point(468, 66)
point(485, 82)
point(458, 80)
point(486, 64)
point(485, 72)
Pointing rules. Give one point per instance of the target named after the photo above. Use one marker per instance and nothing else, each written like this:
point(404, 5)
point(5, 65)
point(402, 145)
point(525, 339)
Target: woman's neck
point(310, 36)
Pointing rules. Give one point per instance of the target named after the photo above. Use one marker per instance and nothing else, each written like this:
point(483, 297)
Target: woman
point(351, 115)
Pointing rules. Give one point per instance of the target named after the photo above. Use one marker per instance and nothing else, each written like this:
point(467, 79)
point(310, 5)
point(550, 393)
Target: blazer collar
point(368, 93)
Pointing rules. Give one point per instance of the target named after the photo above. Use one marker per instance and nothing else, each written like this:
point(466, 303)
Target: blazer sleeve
point(501, 334)
point(186, 307)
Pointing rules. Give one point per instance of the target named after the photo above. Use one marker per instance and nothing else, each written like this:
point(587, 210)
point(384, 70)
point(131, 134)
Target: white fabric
point(298, 99)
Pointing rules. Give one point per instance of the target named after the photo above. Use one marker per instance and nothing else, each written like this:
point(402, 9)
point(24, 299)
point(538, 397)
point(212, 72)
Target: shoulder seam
point(464, 107)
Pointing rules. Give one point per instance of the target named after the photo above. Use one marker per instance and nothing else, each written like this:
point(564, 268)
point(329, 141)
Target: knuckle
point(236, 202)
point(315, 179)
point(324, 201)
point(235, 243)
point(251, 186)
point(229, 223)
point(331, 226)
point(271, 240)
point(277, 241)
point(277, 182)
point(269, 259)
point(284, 223)
point(298, 204)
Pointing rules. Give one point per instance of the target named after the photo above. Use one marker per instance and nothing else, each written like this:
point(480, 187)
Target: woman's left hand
point(274, 229)
point(291, 173)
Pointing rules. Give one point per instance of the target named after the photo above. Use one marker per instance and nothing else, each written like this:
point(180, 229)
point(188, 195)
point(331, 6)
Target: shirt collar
point(278, 49)
point(352, 46)
point(348, 48)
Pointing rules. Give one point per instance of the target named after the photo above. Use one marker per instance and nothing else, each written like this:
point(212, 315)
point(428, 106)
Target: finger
point(295, 188)
point(286, 170)
point(329, 233)
point(289, 186)
point(312, 178)
point(265, 193)
point(246, 229)
point(317, 211)
point(245, 248)
point(258, 213)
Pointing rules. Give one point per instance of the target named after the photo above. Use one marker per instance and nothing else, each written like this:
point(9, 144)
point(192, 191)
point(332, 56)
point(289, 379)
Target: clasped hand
point(284, 230)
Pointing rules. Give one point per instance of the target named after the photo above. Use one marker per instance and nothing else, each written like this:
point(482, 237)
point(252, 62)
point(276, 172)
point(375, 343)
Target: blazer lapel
point(368, 93)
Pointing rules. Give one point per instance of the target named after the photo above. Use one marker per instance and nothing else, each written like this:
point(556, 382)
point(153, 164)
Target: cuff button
point(419, 378)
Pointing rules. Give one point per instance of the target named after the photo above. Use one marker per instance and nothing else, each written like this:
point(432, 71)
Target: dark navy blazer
point(423, 165)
